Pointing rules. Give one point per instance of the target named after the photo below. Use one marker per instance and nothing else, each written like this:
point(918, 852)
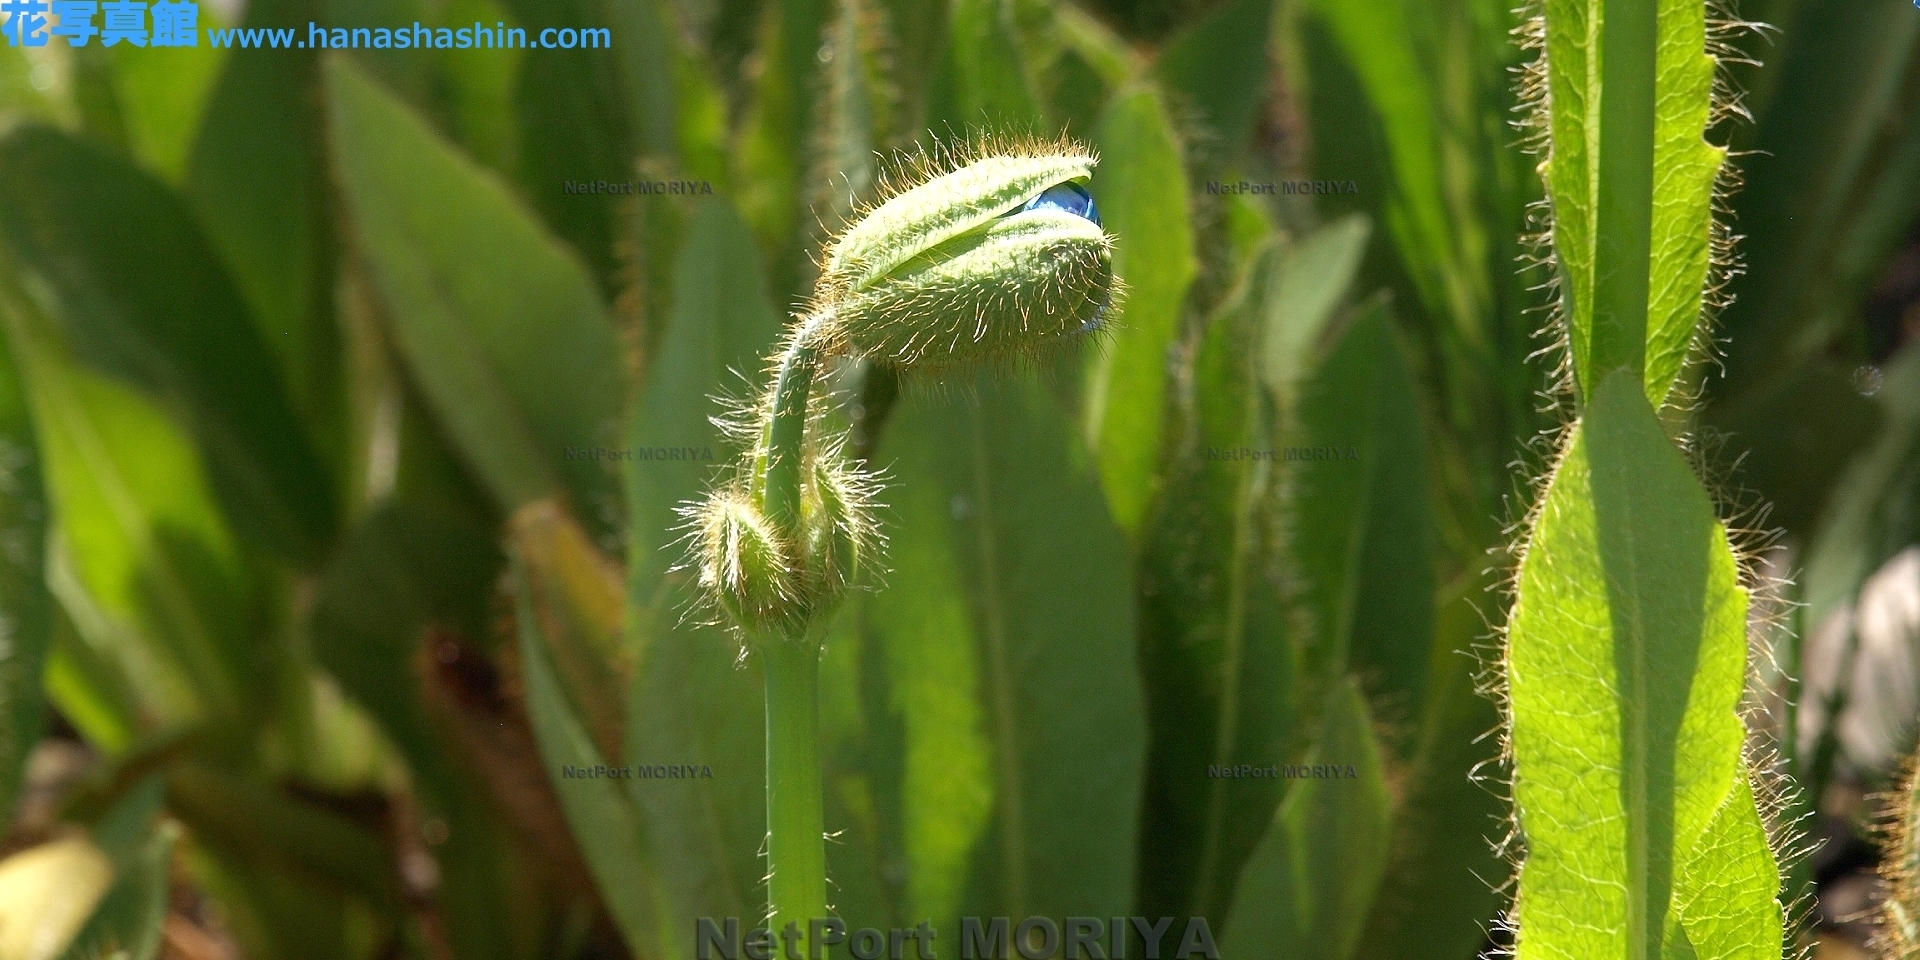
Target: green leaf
point(691, 701)
point(1315, 277)
point(1141, 187)
point(1214, 633)
point(1005, 632)
point(26, 617)
point(87, 232)
point(605, 823)
point(1362, 534)
point(1385, 45)
point(257, 179)
point(502, 328)
point(142, 561)
point(162, 95)
point(574, 125)
point(128, 921)
point(1625, 666)
point(1438, 897)
point(989, 83)
point(1307, 887)
point(1630, 96)
point(1220, 66)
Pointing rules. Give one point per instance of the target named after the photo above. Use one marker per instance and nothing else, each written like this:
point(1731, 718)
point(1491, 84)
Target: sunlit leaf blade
point(1220, 66)
point(692, 700)
point(1009, 660)
point(1631, 181)
point(143, 561)
point(136, 291)
point(502, 328)
point(26, 624)
point(1384, 46)
point(1306, 888)
point(162, 96)
point(1625, 665)
point(1141, 187)
point(1362, 535)
point(605, 823)
point(1214, 633)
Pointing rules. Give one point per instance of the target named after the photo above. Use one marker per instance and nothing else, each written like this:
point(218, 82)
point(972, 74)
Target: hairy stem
point(777, 476)
point(796, 835)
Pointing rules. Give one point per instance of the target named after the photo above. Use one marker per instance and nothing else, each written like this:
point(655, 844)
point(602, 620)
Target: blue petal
point(1066, 197)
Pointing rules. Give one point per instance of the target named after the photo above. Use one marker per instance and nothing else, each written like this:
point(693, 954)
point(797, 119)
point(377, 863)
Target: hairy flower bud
point(1002, 257)
point(835, 526)
point(743, 566)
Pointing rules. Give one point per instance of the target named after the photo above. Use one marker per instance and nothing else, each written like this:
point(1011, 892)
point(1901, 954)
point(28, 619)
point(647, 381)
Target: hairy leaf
point(1631, 180)
point(1141, 186)
point(1214, 633)
point(1362, 536)
point(1006, 635)
point(1625, 665)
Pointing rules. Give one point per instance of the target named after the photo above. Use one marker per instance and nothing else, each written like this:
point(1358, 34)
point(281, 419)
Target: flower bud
point(1002, 257)
point(835, 525)
point(743, 567)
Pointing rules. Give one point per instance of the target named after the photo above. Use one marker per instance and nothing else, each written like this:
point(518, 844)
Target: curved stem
point(777, 478)
point(796, 833)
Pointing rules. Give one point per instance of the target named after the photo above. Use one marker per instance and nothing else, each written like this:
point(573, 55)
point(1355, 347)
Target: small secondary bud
point(834, 522)
point(743, 566)
point(1002, 257)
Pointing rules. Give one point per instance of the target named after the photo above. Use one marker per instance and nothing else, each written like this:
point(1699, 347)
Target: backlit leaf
point(1141, 186)
point(1626, 662)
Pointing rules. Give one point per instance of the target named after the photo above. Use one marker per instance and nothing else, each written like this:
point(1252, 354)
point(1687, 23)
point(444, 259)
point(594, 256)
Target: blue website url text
point(176, 23)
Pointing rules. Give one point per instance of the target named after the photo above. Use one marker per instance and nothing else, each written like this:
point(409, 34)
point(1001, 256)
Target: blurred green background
point(308, 596)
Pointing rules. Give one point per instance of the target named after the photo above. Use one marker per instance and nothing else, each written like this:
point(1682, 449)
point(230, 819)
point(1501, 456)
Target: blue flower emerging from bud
point(1069, 197)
